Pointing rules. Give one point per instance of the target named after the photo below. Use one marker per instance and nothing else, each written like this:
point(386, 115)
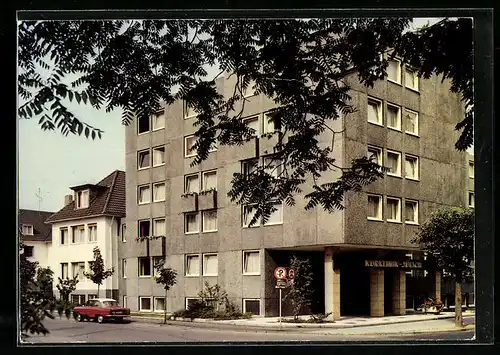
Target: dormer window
point(27, 229)
point(82, 199)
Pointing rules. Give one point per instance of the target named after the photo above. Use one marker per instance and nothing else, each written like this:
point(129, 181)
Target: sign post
point(280, 275)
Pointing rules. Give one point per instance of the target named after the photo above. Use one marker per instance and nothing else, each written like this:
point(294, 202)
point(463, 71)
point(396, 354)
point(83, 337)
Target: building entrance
point(354, 286)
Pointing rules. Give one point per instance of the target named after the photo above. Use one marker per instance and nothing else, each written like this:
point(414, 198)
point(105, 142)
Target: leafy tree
point(298, 64)
point(45, 280)
point(168, 278)
point(34, 305)
point(301, 290)
point(65, 287)
point(97, 272)
point(448, 236)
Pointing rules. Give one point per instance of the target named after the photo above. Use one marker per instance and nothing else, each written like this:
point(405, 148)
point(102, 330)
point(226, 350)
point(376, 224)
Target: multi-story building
point(360, 255)
point(91, 217)
point(36, 235)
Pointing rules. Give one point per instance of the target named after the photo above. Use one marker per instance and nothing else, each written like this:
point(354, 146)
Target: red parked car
point(101, 309)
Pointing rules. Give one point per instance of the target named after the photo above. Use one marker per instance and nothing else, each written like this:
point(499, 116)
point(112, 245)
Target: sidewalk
point(414, 323)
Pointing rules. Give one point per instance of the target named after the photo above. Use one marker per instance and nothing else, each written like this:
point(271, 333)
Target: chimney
point(68, 199)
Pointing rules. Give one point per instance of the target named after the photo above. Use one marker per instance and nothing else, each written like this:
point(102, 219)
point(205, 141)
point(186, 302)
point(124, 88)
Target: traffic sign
point(280, 273)
point(291, 273)
point(281, 284)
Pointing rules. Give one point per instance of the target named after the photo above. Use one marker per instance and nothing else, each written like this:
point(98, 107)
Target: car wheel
point(100, 319)
point(78, 317)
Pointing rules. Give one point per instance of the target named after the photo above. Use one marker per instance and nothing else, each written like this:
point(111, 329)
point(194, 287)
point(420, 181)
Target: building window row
point(471, 199)
point(393, 162)
point(146, 194)
point(262, 124)
point(393, 209)
point(147, 302)
point(208, 221)
point(27, 229)
point(394, 74)
point(471, 169)
point(193, 183)
point(78, 234)
point(189, 150)
point(395, 116)
point(147, 266)
point(77, 270)
point(152, 228)
point(152, 123)
point(157, 154)
point(275, 218)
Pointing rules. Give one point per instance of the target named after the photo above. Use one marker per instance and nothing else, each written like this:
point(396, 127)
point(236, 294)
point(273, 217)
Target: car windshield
point(109, 303)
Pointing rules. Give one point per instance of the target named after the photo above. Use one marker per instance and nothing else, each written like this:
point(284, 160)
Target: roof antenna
point(39, 196)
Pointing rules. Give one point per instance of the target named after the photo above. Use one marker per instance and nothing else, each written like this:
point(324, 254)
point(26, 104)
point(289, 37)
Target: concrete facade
point(440, 179)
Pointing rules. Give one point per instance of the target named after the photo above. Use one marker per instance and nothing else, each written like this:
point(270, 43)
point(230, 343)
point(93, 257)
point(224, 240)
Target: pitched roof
point(42, 232)
point(107, 198)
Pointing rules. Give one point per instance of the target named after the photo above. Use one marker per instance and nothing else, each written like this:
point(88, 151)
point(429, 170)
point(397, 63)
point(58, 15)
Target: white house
point(36, 235)
point(92, 218)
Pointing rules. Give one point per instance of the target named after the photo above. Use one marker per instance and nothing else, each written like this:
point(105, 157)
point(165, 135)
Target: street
point(69, 331)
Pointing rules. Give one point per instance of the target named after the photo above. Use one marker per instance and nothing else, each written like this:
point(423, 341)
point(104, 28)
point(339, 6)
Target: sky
point(50, 163)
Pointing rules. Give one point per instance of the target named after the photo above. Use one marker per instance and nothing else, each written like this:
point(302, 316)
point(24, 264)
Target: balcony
point(189, 202)
point(207, 200)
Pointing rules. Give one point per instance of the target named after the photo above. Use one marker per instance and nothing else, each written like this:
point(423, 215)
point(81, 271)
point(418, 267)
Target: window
point(144, 194)
point(374, 207)
point(158, 156)
point(27, 229)
point(209, 221)
point(192, 184)
point(248, 213)
point(411, 122)
point(188, 111)
point(394, 71)
point(271, 126)
point(276, 217)
point(145, 304)
point(210, 264)
point(158, 261)
point(190, 301)
point(158, 120)
point(192, 265)
point(411, 212)
point(124, 233)
point(124, 268)
point(251, 263)
point(249, 166)
point(92, 232)
point(251, 306)
point(191, 223)
point(78, 234)
point(375, 155)
point(143, 125)
point(394, 117)
point(28, 251)
point(394, 209)
point(144, 266)
point(144, 229)
point(471, 199)
point(159, 192)
point(471, 169)
point(78, 269)
point(411, 79)
point(189, 142)
point(374, 111)
point(78, 300)
point(64, 271)
point(144, 160)
point(394, 163)
point(272, 166)
point(82, 199)
point(159, 304)
point(64, 236)
point(209, 180)
point(159, 227)
point(411, 167)
point(253, 123)
point(91, 297)
point(249, 90)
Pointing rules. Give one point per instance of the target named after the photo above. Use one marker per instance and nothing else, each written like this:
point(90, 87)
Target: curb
point(293, 328)
point(409, 332)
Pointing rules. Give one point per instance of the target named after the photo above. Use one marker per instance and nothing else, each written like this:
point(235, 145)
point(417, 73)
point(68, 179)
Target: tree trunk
point(165, 309)
point(97, 290)
point(458, 304)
